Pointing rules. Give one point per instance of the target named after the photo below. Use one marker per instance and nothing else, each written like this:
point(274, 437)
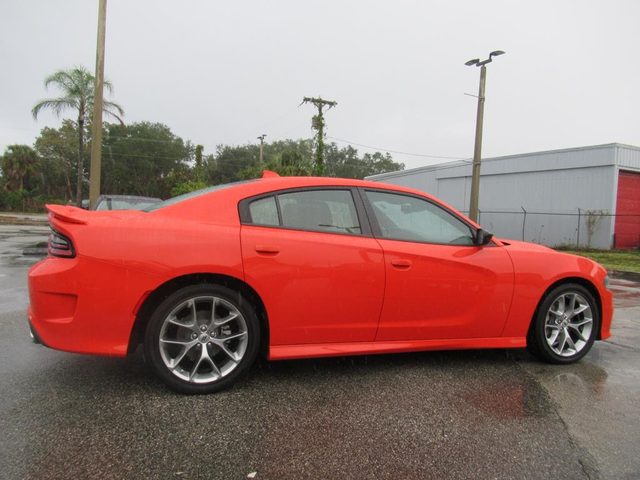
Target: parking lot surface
point(469, 414)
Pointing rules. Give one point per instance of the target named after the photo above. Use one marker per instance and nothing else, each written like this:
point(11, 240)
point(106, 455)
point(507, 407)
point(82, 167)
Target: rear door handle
point(401, 263)
point(267, 249)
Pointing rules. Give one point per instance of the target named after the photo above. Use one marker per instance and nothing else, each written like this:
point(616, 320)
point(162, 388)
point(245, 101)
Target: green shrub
point(187, 187)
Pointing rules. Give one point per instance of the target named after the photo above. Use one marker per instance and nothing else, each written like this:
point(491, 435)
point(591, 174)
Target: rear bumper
point(35, 336)
point(83, 305)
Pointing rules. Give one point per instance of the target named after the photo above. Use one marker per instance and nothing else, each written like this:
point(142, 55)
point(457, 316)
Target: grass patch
point(628, 260)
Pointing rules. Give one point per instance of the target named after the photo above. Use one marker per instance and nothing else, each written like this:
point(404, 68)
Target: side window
point(403, 217)
point(264, 211)
point(320, 210)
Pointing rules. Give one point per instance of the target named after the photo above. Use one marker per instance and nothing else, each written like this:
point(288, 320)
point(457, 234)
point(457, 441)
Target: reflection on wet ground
point(626, 293)
point(471, 414)
point(597, 398)
point(13, 240)
point(13, 264)
point(449, 415)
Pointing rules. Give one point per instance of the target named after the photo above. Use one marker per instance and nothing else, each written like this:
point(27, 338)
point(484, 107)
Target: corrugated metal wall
point(556, 193)
point(628, 158)
point(550, 186)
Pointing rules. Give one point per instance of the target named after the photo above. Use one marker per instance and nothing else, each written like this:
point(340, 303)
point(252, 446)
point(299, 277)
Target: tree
point(593, 221)
point(230, 160)
point(19, 167)
point(57, 150)
point(286, 164)
point(146, 159)
point(294, 157)
point(77, 88)
point(376, 163)
point(345, 163)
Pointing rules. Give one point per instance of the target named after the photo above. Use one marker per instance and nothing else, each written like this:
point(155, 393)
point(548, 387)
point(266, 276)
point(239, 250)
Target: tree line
point(146, 158)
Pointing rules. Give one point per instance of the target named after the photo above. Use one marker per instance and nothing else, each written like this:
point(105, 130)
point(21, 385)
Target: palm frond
point(114, 115)
point(109, 86)
point(77, 85)
point(58, 105)
point(61, 79)
point(107, 104)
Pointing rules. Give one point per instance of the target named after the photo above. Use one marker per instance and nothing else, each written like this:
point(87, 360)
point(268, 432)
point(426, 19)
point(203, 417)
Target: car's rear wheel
point(202, 338)
point(566, 325)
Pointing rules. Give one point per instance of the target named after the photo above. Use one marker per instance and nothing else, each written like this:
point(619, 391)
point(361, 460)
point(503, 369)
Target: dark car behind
point(124, 202)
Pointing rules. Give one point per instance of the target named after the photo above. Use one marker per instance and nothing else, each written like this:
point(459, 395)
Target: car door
point(439, 284)
point(311, 257)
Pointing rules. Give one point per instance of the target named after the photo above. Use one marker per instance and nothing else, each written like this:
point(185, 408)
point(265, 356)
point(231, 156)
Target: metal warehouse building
point(581, 196)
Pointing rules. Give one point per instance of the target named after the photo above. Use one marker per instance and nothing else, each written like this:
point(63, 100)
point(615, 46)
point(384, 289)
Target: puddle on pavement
point(626, 293)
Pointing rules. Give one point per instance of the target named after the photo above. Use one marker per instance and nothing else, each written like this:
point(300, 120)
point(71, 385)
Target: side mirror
point(483, 237)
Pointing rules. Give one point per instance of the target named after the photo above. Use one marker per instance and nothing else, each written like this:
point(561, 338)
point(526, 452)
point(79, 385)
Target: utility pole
point(477, 150)
point(96, 140)
point(317, 123)
point(198, 169)
point(261, 138)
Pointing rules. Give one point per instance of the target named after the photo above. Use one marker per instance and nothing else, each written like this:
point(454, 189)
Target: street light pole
point(96, 138)
point(477, 150)
point(261, 138)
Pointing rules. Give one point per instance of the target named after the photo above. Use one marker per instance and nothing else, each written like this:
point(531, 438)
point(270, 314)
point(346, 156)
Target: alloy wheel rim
point(203, 339)
point(568, 324)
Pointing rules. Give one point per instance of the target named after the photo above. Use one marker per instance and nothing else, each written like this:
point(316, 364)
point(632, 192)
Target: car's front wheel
point(202, 338)
point(566, 325)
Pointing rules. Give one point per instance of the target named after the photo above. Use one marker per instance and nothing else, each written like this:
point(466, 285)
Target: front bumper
point(606, 297)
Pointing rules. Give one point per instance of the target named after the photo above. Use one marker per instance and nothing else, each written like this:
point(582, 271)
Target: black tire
point(225, 297)
point(537, 343)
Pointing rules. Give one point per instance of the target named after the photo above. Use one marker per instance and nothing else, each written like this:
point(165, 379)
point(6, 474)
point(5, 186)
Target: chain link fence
point(580, 228)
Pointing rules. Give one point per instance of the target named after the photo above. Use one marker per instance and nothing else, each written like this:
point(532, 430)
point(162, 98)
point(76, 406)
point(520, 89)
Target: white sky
point(226, 71)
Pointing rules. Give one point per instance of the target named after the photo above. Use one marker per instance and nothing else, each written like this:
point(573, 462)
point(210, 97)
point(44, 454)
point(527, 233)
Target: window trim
point(361, 213)
point(377, 231)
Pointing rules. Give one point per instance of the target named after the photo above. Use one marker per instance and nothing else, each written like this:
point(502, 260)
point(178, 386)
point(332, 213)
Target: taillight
point(60, 246)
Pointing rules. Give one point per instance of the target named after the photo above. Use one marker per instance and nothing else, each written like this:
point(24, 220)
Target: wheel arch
point(583, 282)
point(154, 298)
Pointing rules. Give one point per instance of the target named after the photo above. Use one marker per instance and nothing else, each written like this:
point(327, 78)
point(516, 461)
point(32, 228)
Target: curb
point(634, 276)
point(22, 222)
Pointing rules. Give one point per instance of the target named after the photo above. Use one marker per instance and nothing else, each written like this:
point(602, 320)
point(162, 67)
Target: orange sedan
point(303, 267)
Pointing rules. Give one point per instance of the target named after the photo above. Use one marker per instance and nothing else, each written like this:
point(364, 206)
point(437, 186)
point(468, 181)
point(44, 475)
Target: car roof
point(265, 185)
point(221, 205)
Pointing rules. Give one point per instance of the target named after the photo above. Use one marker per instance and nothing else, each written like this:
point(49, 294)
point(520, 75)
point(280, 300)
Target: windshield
point(197, 193)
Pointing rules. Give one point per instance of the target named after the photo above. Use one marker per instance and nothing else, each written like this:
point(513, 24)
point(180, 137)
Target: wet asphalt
point(472, 414)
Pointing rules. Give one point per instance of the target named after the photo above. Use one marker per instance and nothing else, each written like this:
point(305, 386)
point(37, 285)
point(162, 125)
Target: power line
point(292, 129)
point(396, 151)
point(289, 112)
point(111, 137)
point(116, 138)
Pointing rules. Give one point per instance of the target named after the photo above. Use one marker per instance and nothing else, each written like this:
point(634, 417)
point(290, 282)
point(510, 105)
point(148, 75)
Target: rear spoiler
point(67, 214)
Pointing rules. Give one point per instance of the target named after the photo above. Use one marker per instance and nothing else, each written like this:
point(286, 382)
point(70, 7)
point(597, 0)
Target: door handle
point(267, 249)
point(401, 263)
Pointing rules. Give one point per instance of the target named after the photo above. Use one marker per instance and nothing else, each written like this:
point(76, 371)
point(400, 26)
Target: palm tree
point(18, 162)
point(77, 87)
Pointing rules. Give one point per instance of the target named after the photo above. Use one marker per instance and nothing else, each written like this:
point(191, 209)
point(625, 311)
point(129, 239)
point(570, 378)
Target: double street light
point(477, 151)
